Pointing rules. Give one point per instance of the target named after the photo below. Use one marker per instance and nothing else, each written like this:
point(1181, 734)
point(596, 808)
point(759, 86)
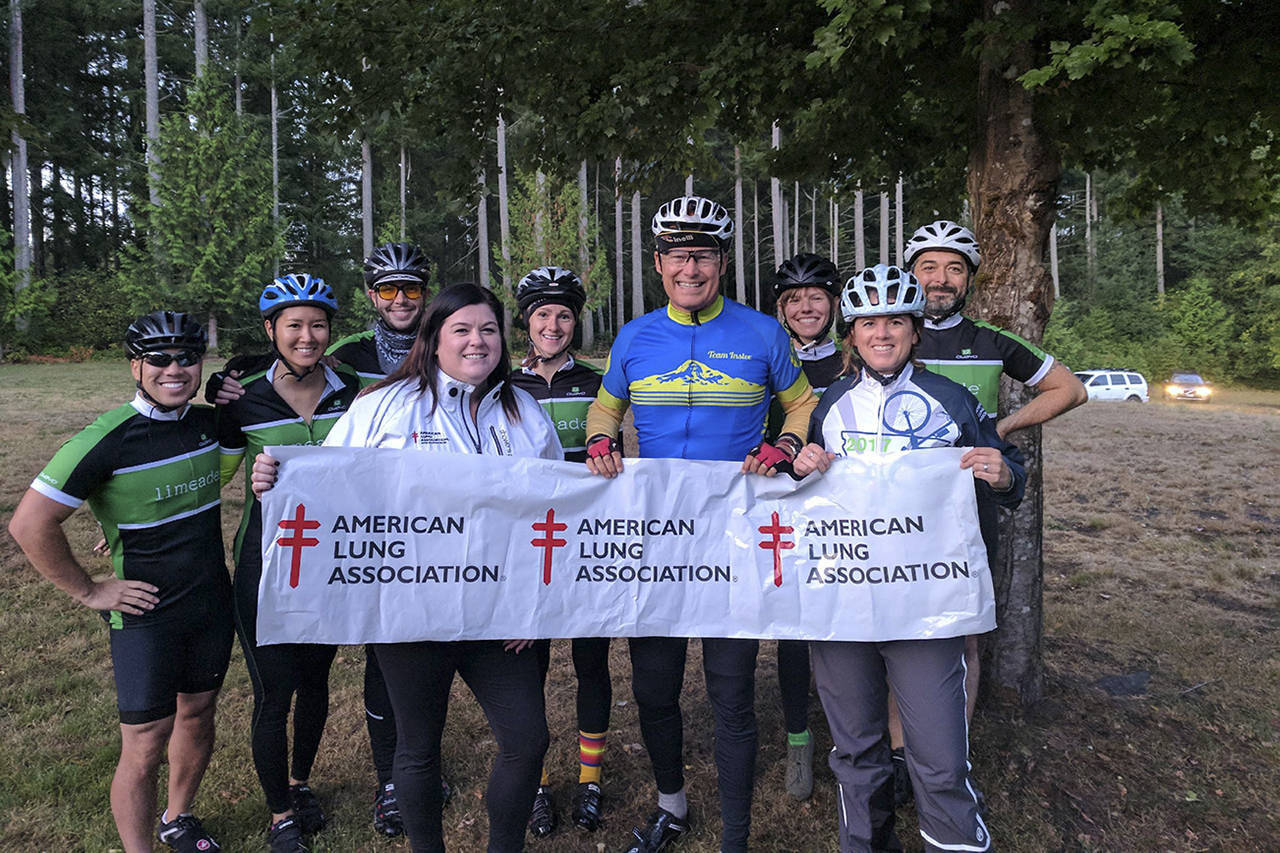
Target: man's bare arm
point(1059, 391)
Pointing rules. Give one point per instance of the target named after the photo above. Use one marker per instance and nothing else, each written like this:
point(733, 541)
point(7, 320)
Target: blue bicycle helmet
point(296, 289)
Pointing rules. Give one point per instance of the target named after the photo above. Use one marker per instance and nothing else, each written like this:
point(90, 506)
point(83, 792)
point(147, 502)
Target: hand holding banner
point(369, 545)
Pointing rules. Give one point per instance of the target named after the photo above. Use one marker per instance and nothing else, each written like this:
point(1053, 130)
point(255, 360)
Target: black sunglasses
point(185, 358)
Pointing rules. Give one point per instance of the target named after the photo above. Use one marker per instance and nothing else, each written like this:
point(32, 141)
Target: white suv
point(1114, 385)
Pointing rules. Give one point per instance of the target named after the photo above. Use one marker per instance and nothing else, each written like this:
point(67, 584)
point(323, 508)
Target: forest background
point(262, 169)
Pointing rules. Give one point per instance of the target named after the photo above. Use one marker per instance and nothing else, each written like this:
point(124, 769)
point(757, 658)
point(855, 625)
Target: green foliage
point(544, 232)
point(213, 238)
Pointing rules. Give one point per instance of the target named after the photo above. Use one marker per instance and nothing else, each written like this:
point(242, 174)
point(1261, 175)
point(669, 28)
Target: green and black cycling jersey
point(261, 418)
point(974, 354)
point(565, 399)
point(152, 480)
point(360, 353)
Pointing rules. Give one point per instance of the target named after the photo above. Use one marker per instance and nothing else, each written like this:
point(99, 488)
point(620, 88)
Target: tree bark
point(366, 194)
point(482, 231)
point(202, 54)
point(18, 168)
point(1013, 181)
point(152, 84)
point(275, 152)
point(859, 233)
point(620, 316)
point(584, 254)
point(504, 216)
point(884, 229)
point(1159, 252)
point(739, 239)
point(637, 267)
point(776, 208)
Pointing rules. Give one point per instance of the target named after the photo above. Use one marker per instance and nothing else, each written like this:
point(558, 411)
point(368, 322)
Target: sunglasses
point(389, 291)
point(186, 358)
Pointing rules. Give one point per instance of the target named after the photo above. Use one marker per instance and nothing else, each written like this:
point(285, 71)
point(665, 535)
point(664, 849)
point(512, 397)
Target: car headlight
point(1203, 392)
point(1172, 389)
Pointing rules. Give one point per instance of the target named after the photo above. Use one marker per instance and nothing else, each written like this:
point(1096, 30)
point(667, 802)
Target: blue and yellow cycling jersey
point(701, 390)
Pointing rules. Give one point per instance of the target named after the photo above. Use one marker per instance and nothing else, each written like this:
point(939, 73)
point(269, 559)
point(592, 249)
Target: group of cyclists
point(436, 375)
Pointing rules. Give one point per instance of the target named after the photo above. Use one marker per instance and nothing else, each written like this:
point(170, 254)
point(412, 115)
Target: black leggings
point(595, 690)
point(277, 673)
point(380, 717)
point(509, 690)
point(657, 672)
point(793, 684)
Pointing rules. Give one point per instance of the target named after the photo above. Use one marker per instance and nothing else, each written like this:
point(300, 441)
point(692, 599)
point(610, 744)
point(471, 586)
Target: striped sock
point(590, 749)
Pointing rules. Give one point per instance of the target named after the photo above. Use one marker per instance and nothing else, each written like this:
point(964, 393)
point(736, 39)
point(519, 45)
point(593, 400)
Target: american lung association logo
point(775, 543)
point(296, 540)
point(548, 541)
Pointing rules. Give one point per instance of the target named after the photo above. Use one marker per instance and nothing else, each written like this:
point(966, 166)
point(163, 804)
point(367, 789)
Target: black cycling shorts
point(153, 663)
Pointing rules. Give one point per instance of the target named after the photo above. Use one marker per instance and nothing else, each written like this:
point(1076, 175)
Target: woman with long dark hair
point(452, 394)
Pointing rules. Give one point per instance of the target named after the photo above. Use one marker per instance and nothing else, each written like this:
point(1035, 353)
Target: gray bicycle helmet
point(162, 330)
point(395, 262)
point(881, 289)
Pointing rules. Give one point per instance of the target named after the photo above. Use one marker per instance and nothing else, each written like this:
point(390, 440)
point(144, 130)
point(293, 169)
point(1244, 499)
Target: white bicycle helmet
point(943, 235)
point(693, 214)
point(881, 289)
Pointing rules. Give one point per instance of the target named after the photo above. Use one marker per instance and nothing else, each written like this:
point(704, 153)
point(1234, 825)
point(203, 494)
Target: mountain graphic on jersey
point(694, 383)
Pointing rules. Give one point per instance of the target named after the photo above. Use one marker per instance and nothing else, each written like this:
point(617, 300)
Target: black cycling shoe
point(306, 809)
point(902, 790)
point(542, 821)
point(587, 806)
point(662, 830)
point(186, 835)
point(386, 812)
point(285, 836)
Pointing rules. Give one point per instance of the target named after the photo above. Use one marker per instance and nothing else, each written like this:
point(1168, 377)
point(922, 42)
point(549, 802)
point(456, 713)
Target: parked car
point(1188, 386)
point(1110, 384)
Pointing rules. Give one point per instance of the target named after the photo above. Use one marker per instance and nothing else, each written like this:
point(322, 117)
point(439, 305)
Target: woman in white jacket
point(452, 395)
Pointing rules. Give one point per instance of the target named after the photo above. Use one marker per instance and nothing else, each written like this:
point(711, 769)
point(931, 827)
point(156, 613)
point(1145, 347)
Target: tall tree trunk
point(404, 176)
point(739, 239)
point(833, 213)
point(1159, 253)
point(637, 274)
point(775, 202)
point(539, 218)
point(202, 48)
point(1013, 181)
point(18, 167)
point(482, 230)
point(813, 222)
point(755, 238)
point(238, 80)
point(620, 316)
point(39, 260)
point(795, 223)
point(366, 194)
point(275, 154)
point(897, 222)
point(584, 254)
point(504, 217)
point(152, 86)
point(213, 332)
point(1090, 244)
point(884, 228)
point(688, 184)
point(859, 233)
point(1053, 261)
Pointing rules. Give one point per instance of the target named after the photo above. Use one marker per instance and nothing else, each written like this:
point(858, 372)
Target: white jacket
point(399, 416)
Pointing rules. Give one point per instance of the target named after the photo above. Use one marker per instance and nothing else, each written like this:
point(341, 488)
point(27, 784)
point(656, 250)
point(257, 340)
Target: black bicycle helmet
point(162, 330)
point(807, 270)
point(395, 262)
point(550, 284)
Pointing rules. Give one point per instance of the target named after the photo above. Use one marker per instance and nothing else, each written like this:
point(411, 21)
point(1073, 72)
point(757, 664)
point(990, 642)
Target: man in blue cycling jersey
point(699, 374)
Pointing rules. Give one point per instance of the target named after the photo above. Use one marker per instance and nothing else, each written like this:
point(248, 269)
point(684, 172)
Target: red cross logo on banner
point(775, 544)
point(548, 542)
point(297, 540)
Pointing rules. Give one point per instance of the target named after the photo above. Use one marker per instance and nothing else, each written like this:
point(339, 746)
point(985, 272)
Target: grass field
point(1162, 569)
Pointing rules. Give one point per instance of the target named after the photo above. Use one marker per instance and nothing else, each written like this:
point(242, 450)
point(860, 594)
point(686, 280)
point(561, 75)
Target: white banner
point(367, 545)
